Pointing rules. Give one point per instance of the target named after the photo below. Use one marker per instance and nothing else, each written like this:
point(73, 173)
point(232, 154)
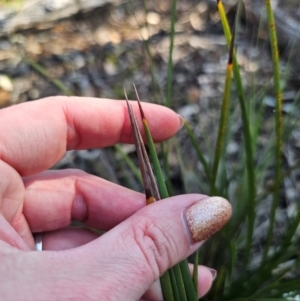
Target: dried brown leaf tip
point(149, 182)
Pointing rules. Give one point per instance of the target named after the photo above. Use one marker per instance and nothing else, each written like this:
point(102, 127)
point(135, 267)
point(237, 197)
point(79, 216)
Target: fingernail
point(181, 121)
point(214, 273)
point(206, 217)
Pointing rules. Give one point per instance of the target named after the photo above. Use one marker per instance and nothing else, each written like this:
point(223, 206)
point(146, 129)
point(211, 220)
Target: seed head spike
point(139, 102)
point(146, 158)
point(143, 159)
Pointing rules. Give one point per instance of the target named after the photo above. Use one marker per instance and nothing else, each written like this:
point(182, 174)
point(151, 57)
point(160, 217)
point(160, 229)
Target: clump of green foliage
point(246, 270)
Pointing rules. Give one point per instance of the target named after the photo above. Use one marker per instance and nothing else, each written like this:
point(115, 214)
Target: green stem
point(174, 285)
point(170, 62)
point(198, 150)
point(278, 127)
point(195, 271)
point(129, 162)
point(247, 137)
point(43, 71)
point(180, 283)
point(157, 169)
point(222, 128)
point(188, 283)
point(166, 287)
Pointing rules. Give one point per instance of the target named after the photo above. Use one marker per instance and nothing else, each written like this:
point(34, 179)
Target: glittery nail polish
point(206, 217)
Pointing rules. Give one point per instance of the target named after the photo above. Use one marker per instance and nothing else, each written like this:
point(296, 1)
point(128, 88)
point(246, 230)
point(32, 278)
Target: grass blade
point(278, 125)
point(166, 287)
point(157, 90)
point(187, 279)
point(170, 62)
point(162, 188)
point(184, 180)
point(184, 269)
point(180, 283)
point(195, 271)
point(181, 166)
point(129, 162)
point(224, 114)
point(174, 285)
point(251, 181)
point(165, 147)
point(144, 163)
point(198, 150)
point(167, 278)
point(43, 71)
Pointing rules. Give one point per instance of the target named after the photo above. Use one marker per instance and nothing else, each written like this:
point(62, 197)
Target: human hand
point(141, 243)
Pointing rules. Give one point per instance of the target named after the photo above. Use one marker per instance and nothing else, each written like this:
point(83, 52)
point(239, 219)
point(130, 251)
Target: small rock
point(5, 83)
point(153, 18)
point(196, 21)
point(34, 93)
point(202, 7)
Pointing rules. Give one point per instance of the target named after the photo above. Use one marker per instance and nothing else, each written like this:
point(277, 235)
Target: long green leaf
point(247, 137)
point(198, 150)
point(189, 285)
point(224, 115)
point(166, 287)
point(157, 90)
point(180, 283)
point(129, 162)
point(174, 285)
point(278, 126)
point(184, 269)
point(170, 62)
point(44, 72)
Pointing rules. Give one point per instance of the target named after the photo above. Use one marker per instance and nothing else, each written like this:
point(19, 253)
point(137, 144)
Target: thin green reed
point(168, 101)
point(278, 125)
point(170, 61)
point(177, 281)
point(198, 150)
point(251, 181)
point(129, 162)
point(158, 95)
point(185, 185)
point(44, 72)
point(224, 115)
point(188, 284)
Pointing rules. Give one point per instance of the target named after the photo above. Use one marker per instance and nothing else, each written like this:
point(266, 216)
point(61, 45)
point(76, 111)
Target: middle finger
point(54, 198)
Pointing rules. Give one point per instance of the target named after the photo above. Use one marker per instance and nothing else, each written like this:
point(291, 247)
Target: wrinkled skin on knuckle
point(156, 247)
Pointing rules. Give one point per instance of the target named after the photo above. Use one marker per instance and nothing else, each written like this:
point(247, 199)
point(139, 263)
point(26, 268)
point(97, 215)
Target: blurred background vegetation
point(94, 48)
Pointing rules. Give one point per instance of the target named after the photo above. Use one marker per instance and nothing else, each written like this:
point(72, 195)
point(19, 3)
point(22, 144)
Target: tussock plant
point(256, 254)
point(246, 270)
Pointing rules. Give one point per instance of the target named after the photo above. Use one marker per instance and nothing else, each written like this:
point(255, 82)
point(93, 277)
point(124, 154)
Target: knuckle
point(157, 248)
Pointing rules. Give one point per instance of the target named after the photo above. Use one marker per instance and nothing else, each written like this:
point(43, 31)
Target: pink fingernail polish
point(206, 217)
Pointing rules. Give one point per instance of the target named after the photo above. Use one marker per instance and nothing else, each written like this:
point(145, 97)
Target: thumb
point(124, 262)
point(127, 260)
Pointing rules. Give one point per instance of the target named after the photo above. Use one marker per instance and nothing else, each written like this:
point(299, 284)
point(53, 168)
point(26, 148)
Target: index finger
point(35, 135)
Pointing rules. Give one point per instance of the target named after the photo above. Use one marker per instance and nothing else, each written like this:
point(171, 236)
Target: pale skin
point(75, 264)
